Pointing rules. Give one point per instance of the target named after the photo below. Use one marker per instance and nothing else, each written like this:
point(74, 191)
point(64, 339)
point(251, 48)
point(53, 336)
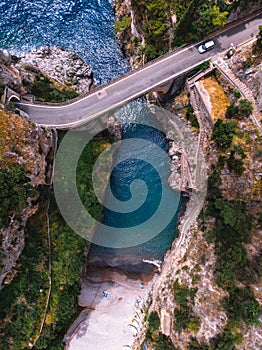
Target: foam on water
point(84, 26)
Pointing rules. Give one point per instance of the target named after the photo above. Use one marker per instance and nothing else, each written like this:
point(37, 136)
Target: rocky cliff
point(64, 69)
point(27, 148)
point(61, 65)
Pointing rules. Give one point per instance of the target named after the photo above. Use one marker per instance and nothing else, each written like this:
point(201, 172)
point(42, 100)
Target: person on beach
point(105, 293)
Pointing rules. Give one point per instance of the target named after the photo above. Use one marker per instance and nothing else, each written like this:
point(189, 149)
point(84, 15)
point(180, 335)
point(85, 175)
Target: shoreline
point(122, 282)
point(121, 310)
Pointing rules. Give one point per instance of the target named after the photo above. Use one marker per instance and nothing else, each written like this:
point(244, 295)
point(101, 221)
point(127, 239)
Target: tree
point(15, 188)
point(223, 133)
point(194, 345)
point(245, 108)
point(235, 163)
point(242, 305)
point(153, 326)
point(259, 37)
point(123, 24)
point(203, 24)
point(219, 19)
point(163, 343)
point(231, 111)
point(181, 318)
point(223, 341)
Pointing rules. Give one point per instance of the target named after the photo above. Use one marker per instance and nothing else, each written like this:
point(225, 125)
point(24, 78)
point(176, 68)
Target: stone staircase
point(202, 136)
point(222, 66)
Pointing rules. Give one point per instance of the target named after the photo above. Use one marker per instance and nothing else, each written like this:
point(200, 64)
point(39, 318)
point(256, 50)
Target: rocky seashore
point(61, 65)
point(64, 67)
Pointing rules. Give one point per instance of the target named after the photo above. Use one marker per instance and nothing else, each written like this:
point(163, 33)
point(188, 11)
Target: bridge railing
point(154, 61)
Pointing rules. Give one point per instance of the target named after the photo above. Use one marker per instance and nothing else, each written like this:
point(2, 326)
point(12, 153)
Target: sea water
point(86, 27)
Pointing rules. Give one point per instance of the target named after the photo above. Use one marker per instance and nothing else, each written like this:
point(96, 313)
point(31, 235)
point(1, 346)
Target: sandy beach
point(109, 321)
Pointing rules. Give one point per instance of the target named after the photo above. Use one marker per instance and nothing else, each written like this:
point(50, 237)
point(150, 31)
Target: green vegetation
point(223, 341)
point(2, 89)
point(231, 229)
point(163, 343)
point(241, 305)
point(190, 116)
point(183, 315)
point(209, 17)
point(22, 302)
point(223, 133)
point(245, 108)
point(231, 111)
point(44, 90)
point(84, 176)
point(200, 67)
point(122, 25)
point(67, 256)
point(259, 37)
point(155, 337)
point(14, 191)
point(235, 161)
point(153, 325)
point(237, 93)
point(182, 294)
point(240, 111)
point(194, 19)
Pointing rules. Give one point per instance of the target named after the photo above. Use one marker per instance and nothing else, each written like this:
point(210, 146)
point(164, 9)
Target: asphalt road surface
point(138, 82)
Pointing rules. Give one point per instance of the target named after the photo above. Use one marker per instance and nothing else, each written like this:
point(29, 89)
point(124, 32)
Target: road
point(138, 82)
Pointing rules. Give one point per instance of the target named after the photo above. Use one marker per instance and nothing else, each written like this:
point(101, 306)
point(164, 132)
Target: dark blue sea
point(86, 27)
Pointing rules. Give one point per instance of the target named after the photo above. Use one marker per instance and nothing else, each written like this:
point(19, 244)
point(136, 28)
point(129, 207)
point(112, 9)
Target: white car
point(208, 45)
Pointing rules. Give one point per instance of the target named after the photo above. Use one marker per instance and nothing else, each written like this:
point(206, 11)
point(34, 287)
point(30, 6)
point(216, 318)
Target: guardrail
point(155, 61)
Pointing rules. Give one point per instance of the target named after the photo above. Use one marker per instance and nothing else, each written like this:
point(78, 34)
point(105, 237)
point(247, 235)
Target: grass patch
point(218, 98)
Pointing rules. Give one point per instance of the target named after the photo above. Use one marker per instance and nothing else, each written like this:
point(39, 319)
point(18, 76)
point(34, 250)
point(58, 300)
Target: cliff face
point(26, 148)
point(64, 69)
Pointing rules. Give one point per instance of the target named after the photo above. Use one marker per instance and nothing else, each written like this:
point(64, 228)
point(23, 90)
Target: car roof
point(209, 43)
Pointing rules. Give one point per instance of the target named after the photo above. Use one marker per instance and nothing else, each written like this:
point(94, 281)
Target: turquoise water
point(157, 184)
point(86, 27)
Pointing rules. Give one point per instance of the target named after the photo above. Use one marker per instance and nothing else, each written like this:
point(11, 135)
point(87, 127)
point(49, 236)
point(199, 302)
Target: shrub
point(194, 324)
point(245, 108)
point(231, 111)
point(44, 90)
point(242, 305)
point(181, 318)
point(259, 37)
point(237, 93)
point(223, 133)
point(153, 326)
point(123, 24)
point(14, 191)
point(163, 343)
